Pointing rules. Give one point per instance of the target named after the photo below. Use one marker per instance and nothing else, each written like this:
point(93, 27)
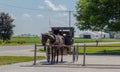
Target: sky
point(38, 16)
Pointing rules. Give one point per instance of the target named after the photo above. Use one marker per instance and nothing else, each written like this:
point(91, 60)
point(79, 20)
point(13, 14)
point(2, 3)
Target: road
point(94, 63)
point(11, 48)
point(18, 51)
point(27, 50)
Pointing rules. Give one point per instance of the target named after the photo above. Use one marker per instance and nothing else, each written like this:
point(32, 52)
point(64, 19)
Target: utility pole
point(69, 18)
point(49, 22)
point(70, 12)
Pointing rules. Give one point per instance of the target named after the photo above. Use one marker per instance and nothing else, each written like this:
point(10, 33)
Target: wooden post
point(84, 57)
point(35, 55)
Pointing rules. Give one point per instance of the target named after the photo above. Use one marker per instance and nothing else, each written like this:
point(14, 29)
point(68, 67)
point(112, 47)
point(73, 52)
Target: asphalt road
point(18, 51)
point(94, 63)
point(10, 48)
point(28, 50)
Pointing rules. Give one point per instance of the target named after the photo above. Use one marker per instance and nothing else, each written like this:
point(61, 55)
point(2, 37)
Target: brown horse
point(54, 40)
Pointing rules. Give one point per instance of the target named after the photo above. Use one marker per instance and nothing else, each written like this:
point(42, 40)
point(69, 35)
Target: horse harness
point(58, 40)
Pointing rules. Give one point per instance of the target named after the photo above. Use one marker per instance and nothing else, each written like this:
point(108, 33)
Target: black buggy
point(67, 48)
point(66, 32)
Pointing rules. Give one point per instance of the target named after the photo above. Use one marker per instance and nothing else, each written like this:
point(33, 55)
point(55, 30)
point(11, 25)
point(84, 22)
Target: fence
point(76, 47)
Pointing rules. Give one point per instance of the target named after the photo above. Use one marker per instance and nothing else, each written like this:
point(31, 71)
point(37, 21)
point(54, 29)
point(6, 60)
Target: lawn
point(26, 39)
point(5, 60)
point(101, 50)
point(16, 41)
point(112, 50)
point(78, 40)
point(98, 50)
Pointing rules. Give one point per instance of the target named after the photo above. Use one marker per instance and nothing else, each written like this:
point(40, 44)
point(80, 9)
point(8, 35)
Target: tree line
point(6, 26)
point(97, 15)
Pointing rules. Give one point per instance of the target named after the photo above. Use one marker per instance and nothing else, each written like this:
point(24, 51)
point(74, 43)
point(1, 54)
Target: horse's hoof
point(56, 61)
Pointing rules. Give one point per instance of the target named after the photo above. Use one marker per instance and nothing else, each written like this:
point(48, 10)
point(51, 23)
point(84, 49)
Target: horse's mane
point(54, 39)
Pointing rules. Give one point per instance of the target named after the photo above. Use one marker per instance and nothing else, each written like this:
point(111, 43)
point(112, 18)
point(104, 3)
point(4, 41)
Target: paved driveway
point(94, 63)
point(18, 51)
point(27, 50)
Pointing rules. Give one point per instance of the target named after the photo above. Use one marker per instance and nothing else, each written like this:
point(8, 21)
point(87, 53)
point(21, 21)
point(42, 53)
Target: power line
point(18, 6)
point(69, 11)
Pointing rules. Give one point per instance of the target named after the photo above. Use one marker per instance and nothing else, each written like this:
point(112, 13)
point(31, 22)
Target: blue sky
point(33, 16)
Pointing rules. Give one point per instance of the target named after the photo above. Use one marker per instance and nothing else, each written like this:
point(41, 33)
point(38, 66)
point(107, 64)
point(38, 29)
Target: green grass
point(111, 45)
point(77, 40)
point(5, 60)
point(101, 50)
point(16, 41)
point(26, 39)
point(97, 50)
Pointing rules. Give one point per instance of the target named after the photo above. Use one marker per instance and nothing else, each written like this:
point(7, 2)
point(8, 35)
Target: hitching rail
point(84, 46)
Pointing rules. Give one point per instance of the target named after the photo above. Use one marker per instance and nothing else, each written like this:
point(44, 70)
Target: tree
point(6, 26)
point(98, 15)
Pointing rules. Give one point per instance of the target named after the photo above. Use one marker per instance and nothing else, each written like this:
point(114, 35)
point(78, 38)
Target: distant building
point(28, 35)
point(117, 36)
point(94, 35)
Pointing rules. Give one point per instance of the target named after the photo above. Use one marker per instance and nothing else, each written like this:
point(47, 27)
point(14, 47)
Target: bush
point(21, 42)
point(0, 42)
point(7, 42)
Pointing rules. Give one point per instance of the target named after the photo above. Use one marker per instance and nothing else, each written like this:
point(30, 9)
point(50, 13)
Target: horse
point(54, 40)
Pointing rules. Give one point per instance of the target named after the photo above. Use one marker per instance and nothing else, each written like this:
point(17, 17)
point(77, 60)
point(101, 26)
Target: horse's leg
point(68, 50)
point(44, 48)
point(48, 54)
point(61, 54)
point(57, 54)
point(54, 50)
point(52, 54)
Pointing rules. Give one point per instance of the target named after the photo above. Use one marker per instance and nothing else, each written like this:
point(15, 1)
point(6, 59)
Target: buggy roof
point(62, 28)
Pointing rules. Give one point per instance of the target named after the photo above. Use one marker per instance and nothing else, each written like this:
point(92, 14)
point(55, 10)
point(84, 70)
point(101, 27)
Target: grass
point(77, 40)
point(102, 50)
point(97, 50)
point(16, 41)
point(5, 60)
point(26, 39)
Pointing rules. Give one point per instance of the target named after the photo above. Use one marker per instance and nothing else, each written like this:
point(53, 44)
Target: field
point(98, 50)
point(101, 50)
point(4, 60)
point(77, 40)
point(21, 41)
point(33, 40)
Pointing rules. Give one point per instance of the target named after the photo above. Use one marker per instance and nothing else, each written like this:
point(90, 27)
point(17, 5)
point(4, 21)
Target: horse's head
point(44, 39)
point(47, 36)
